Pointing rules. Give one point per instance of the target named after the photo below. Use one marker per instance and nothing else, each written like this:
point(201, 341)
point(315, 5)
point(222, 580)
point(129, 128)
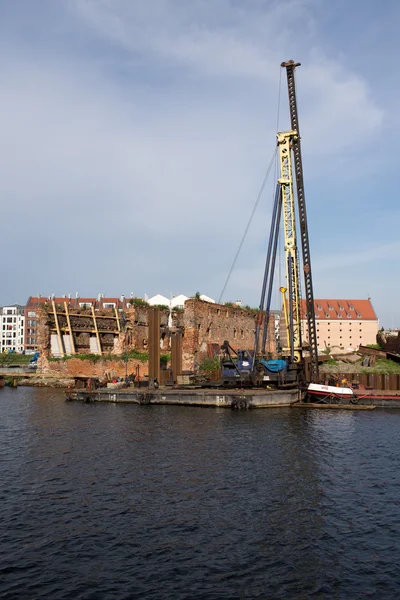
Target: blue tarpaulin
point(274, 365)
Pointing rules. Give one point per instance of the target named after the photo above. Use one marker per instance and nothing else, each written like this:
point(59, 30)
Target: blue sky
point(135, 136)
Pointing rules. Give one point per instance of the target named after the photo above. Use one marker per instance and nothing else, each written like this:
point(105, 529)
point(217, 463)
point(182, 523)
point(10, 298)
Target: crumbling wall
point(206, 324)
point(203, 324)
point(390, 342)
point(75, 367)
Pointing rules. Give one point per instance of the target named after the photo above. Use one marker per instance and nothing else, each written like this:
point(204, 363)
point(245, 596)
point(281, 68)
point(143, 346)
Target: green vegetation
point(375, 346)
point(330, 361)
point(138, 302)
point(162, 306)
point(164, 359)
point(229, 304)
point(142, 356)
point(254, 311)
point(197, 295)
point(383, 365)
point(209, 364)
point(13, 358)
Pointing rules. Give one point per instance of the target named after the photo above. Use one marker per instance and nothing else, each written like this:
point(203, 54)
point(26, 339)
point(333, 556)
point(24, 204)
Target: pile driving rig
point(295, 368)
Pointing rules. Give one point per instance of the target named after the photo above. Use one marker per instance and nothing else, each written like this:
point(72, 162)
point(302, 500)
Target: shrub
point(164, 359)
point(138, 302)
point(210, 364)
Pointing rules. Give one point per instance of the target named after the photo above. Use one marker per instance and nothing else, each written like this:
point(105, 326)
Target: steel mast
point(290, 67)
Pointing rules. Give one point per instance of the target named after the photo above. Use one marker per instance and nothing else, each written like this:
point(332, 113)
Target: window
point(31, 314)
point(109, 304)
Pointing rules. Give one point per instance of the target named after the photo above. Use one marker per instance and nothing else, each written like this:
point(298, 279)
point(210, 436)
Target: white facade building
point(12, 328)
point(175, 302)
point(206, 299)
point(179, 301)
point(159, 300)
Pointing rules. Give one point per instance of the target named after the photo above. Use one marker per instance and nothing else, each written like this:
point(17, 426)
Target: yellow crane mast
point(293, 324)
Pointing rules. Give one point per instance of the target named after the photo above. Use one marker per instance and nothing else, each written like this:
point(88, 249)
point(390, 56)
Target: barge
point(236, 399)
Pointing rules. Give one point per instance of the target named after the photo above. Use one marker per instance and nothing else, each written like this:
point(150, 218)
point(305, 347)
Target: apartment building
point(12, 328)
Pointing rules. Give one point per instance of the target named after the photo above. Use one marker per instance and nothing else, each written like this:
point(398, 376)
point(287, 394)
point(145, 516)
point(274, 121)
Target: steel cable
point(271, 164)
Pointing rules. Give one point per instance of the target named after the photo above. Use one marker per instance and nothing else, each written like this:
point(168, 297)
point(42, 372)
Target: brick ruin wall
point(110, 369)
point(389, 342)
point(202, 324)
point(206, 324)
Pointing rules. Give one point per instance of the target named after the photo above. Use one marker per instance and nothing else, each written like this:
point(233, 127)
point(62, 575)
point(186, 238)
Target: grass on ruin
point(142, 356)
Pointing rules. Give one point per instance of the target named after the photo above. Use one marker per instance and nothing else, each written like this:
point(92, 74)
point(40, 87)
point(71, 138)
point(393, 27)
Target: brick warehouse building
point(342, 325)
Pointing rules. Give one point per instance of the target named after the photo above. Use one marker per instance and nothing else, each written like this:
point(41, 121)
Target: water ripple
point(125, 502)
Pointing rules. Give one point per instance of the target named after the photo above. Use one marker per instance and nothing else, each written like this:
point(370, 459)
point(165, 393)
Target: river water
point(150, 502)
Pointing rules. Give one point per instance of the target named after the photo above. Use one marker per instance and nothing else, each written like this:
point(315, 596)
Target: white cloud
point(154, 143)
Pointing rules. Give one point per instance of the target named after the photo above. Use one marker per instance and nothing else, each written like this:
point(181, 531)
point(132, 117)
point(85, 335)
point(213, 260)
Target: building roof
point(159, 299)
point(178, 300)
point(33, 301)
point(206, 298)
point(340, 310)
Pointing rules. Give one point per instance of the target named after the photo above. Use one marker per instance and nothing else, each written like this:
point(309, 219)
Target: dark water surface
point(106, 501)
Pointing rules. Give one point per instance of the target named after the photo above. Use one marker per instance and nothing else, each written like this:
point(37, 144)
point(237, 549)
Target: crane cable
point(274, 156)
point(271, 164)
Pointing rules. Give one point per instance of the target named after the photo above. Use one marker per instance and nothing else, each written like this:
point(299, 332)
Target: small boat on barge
point(357, 395)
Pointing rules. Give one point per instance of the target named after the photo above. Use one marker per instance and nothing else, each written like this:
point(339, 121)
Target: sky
point(134, 138)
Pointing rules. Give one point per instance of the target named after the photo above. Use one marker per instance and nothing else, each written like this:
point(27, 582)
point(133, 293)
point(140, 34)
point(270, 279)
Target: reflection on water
point(150, 502)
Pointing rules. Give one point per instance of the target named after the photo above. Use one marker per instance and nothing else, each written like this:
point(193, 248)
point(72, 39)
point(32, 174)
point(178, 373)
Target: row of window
point(340, 337)
point(350, 331)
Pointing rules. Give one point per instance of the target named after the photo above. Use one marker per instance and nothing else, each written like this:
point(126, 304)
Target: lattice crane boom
point(290, 67)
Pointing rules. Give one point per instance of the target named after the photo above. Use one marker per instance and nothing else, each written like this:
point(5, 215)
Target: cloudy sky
point(134, 138)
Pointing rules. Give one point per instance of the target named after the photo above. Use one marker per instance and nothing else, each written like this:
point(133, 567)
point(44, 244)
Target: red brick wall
point(206, 323)
point(74, 367)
